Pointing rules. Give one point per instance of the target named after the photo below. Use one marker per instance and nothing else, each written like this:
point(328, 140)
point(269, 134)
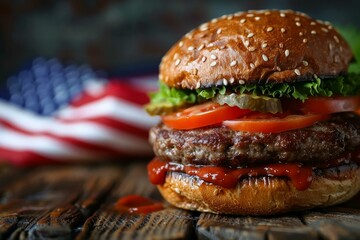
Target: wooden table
point(77, 202)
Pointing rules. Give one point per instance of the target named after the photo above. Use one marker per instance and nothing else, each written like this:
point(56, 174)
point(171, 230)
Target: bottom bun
point(261, 195)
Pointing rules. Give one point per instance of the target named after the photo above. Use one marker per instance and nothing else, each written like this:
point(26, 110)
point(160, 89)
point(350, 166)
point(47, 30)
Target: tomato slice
point(274, 124)
point(202, 115)
point(324, 105)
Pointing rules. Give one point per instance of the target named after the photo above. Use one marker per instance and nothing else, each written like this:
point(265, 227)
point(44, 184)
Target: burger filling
point(223, 134)
point(223, 156)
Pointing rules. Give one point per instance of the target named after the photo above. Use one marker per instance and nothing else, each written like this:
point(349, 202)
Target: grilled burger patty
point(221, 146)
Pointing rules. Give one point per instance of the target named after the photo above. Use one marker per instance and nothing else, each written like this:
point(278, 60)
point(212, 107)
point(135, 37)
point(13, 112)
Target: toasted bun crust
point(255, 46)
point(262, 195)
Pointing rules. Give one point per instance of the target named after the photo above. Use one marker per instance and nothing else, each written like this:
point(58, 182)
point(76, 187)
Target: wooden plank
point(8, 175)
point(54, 201)
point(339, 223)
point(165, 224)
point(293, 233)
point(108, 223)
point(212, 226)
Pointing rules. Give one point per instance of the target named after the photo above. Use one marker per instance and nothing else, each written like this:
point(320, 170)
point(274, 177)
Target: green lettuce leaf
point(343, 85)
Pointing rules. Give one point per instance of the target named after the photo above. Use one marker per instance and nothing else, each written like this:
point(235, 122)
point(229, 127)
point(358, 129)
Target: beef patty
point(222, 146)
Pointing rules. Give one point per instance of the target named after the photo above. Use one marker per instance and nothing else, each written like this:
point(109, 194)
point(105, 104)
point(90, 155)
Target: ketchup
point(300, 176)
point(135, 204)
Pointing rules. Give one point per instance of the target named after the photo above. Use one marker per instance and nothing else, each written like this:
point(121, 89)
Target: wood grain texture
point(53, 200)
point(78, 202)
point(212, 226)
point(335, 223)
point(110, 224)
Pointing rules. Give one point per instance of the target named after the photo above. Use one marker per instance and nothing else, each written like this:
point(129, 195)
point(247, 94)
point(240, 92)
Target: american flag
point(51, 112)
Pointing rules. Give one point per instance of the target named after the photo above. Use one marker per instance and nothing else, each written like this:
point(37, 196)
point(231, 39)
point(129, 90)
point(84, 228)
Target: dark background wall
point(125, 36)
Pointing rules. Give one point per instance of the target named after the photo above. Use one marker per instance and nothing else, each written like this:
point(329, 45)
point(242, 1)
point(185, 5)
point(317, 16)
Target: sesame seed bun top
point(256, 46)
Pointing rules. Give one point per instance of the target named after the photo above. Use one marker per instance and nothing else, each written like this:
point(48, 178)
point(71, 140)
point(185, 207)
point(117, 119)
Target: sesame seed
point(301, 33)
point(243, 20)
point(191, 48)
point(330, 47)
point(304, 40)
point(222, 47)
point(195, 71)
point(327, 23)
point(214, 20)
point(265, 58)
point(257, 18)
point(282, 15)
point(246, 43)
point(269, 29)
point(242, 81)
point(219, 31)
point(267, 13)
point(305, 63)
point(176, 55)
point(298, 24)
point(252, 65)
point(177, 62)
point(281, 45)
point(336, 39)
point(297, 72)
point(313, 32)
point(204, 27)
point(232, 80)
point(238, 14)
point(210, 45)
point(201, 47)
point(250, 35)
point(225, 82)
point(297, 19)
point(181, 43)
point(203, 59)
point(324, 30)
point(251, 49)
point(313, 23)
point(282, 30)
point(336, 59)
point(198, 85)
point(278, 68)
point(315, 76)
point(230, 17)
point(233, 63)
point(250, 15)
point(330, 27)
point(213, 64)
point(341, 48)
point(264, 45)
point(287, 52)
point(212, 56)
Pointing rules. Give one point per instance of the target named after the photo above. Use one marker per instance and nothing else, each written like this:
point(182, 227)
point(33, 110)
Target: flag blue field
point(51, 112)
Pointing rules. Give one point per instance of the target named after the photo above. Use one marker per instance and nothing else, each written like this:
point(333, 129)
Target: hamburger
point(258, 115)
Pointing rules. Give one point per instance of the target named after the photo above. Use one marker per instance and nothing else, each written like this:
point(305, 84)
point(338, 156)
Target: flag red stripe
point(69, 140)
point(24, 158)
point(116, 89)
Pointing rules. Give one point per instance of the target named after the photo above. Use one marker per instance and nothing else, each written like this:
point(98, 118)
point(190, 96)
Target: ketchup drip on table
point(300, 176)
point(135, 204)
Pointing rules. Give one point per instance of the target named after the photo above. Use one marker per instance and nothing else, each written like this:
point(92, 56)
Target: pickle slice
point(247, 101)
point(156, 109)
